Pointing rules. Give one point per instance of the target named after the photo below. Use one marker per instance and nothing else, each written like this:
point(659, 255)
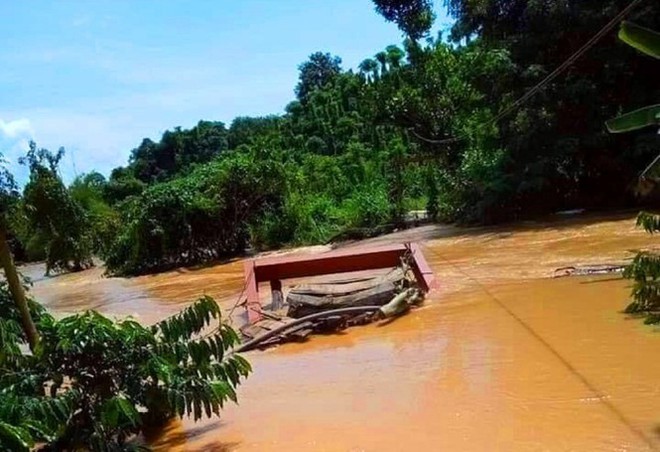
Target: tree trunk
point(16, 289)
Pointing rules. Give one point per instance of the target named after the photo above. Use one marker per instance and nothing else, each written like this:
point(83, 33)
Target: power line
point(601, 396)
point(549, 78)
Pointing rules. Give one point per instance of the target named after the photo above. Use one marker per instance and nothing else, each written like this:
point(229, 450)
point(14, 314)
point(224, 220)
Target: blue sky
point(98, 76)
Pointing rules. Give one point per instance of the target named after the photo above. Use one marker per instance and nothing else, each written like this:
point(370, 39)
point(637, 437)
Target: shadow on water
point(656, 430)
point(173, 437)
point(602, 280)
point(216, 447)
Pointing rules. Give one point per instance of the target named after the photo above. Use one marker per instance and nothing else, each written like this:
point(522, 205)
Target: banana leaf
point(645, 40)
point(644, 117)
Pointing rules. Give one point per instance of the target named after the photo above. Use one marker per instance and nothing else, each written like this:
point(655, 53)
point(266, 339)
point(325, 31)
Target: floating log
point(329, 320)
point(349, 285)
point(295, 325)
point(398, 305)
point(582, 270)
point(287, 331)
point(307, 299)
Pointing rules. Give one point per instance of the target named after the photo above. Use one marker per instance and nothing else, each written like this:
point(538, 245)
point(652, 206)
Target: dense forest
point(434, 123)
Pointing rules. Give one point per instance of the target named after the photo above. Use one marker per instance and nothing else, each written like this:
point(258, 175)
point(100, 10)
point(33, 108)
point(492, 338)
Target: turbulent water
point(501, 356)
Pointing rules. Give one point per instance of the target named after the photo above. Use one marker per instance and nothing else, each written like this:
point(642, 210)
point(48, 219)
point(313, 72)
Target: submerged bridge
point(275, 269)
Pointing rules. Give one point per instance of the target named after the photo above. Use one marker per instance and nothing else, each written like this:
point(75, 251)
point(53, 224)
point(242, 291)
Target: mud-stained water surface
point(501, 356)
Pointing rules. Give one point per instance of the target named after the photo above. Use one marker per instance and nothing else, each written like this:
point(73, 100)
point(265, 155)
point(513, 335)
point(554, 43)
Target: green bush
point(203, 216)
point(644, 271)
point(94, 384)
point(49, 222)
point(368, 206)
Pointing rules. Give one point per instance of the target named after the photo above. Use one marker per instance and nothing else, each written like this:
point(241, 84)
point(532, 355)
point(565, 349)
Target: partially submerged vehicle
point(359, 285)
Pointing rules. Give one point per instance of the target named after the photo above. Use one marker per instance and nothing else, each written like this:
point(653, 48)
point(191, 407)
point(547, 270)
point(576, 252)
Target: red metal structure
point(276, 269)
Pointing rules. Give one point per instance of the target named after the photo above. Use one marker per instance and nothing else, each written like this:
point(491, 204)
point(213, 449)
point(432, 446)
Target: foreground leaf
point(645, 40)
point(638, 119)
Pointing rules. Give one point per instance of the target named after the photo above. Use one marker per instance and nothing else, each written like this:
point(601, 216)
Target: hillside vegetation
point(427, 124)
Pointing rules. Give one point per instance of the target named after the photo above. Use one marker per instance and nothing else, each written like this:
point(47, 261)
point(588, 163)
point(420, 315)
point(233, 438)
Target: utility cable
point(549, 78)
point(601, 397)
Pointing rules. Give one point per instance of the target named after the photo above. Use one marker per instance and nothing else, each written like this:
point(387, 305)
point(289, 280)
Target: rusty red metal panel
point(348, 260)
point(423, 273)
point(252, 305)
point(327, 263)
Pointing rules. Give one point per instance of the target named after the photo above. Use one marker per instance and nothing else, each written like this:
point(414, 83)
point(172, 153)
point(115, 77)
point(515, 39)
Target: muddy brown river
point(500, 357)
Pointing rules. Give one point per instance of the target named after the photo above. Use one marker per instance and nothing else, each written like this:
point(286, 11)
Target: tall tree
point(369, 69)
point(315, 73)
point(246, 130)
point(177, 150)
point(381, 57)
point(413, 17)
point(58, 222)
point(394, 56)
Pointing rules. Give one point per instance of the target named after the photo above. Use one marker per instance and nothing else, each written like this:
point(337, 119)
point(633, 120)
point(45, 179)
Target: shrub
point(368, 206)
point(644, 271)
point(196, 218)
point(94, 383)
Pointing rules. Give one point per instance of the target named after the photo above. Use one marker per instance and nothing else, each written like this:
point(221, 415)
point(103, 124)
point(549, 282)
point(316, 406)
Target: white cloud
point(15, 129)
point(92, 142)
point(15, 136)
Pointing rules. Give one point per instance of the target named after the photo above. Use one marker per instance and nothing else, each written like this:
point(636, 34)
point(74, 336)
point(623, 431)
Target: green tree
point(245, 130)
point(381, 58)
point(317, 72)
point(644, 270)
point(558, 154)
point(88, 191)
point(177, 150)
point(394, 56)
point(121, 185)
point(94, 384)
point(369, 69)
point(55, 220)
point(413, 17)
point(202, 216)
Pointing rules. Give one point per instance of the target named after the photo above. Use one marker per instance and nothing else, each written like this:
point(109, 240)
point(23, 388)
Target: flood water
point(500, 357)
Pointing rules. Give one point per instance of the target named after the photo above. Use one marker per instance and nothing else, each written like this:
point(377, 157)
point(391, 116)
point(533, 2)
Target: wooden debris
point(398, 304)
point(348, 285)
point(332, 320)
point(252, 331)
point(307, 299)
point(582, 270)
point(332, 306)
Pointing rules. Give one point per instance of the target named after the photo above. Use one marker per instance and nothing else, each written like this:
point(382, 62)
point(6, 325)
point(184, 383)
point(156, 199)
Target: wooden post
point(252, 304)
point(16, 289)
point(276, 294)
